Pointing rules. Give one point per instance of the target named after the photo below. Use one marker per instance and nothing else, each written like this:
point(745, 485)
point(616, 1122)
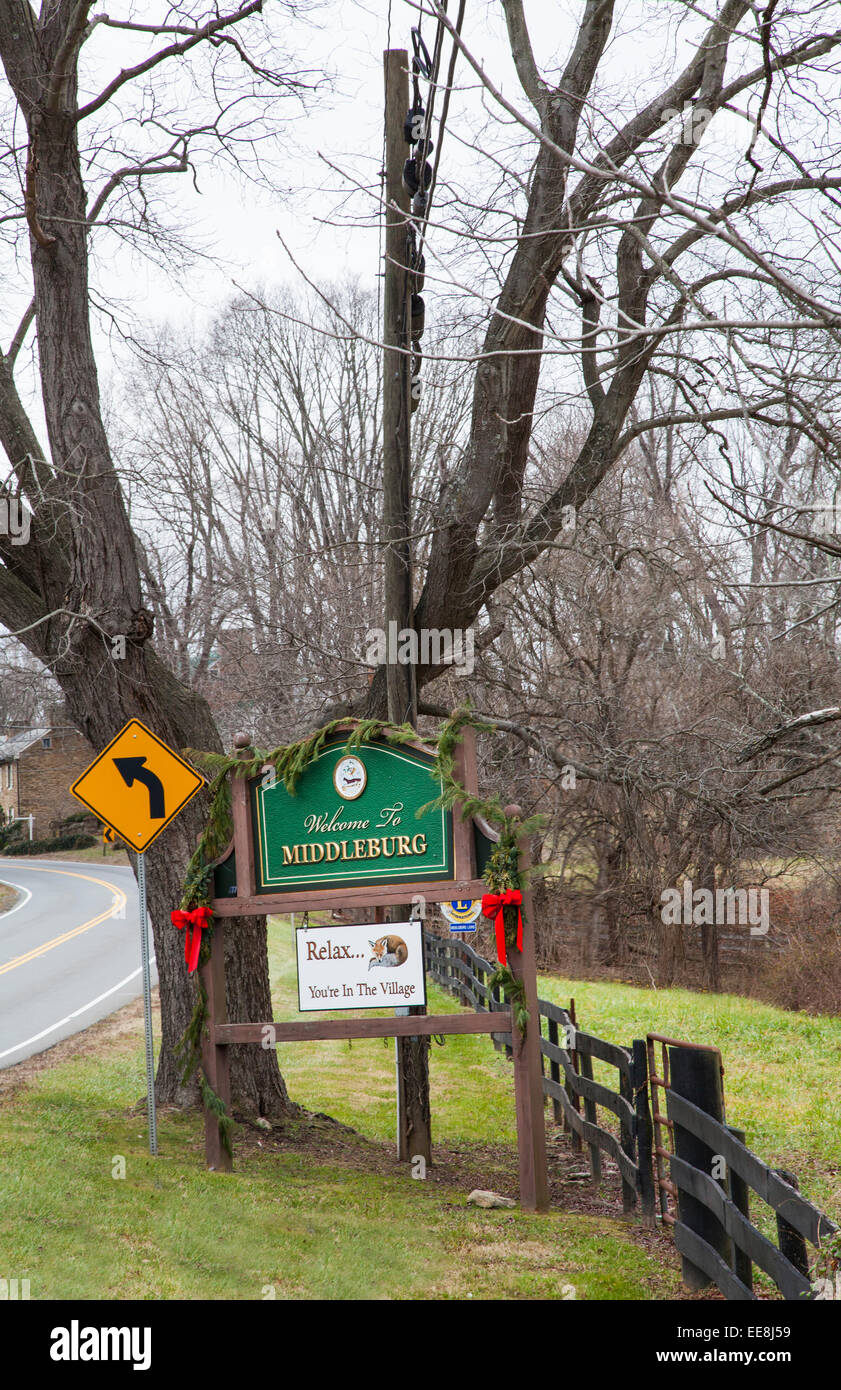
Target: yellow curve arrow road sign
point(137, 785)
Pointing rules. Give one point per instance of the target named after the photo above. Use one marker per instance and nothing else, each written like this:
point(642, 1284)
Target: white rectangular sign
point(366, 966)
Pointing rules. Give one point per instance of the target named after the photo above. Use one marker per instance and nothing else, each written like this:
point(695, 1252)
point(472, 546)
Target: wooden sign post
point(432, 857)
point(528, 1075)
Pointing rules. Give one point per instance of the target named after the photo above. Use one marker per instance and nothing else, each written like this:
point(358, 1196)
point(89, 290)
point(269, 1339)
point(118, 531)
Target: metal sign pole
point(137, 786)
point(147, 1005)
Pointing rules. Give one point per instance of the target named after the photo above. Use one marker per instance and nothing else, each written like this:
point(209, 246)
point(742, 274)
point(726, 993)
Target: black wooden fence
point(570, 1084)
point(724, 1245)
point(727, 1253)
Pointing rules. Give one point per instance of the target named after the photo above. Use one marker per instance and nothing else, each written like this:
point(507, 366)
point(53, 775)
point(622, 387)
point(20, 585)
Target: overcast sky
point(331, 227)
point(345, 38)
point(344, 125)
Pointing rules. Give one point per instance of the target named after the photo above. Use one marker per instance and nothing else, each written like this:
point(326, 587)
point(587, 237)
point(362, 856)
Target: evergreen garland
point(216, 1106)
point(188, 1048)
point(188, 1052)
point(516, 992)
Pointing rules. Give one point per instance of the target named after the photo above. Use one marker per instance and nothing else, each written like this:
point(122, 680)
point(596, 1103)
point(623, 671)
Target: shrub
point(9, 833)
point(50, 846)
point(806, 973)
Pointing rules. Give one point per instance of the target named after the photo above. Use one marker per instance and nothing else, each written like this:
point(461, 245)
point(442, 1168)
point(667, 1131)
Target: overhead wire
point(415, 173)
point(443, 120)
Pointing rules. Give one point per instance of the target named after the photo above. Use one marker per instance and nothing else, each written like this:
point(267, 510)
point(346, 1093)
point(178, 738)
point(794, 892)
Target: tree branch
point(532, 83)
point(30, 202)
point(172, 51)
point(20, 334)
point(19, 607)
point(65, 58)
point(794, 726)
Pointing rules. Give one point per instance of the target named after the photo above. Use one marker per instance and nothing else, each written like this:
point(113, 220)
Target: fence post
point(696, 1076)
point(626, 1139)
point(792, 1243)
point(645, 1133)
point(740, 1197)
point(555, 1073)
point(585, 1062)
point(574, 1098)
point(496, 1038)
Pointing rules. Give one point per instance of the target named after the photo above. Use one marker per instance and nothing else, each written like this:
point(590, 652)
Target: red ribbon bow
point(192, 924)
point(492, 906)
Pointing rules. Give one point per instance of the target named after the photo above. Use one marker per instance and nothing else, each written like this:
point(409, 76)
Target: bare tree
point(255, 460)
point(662, 243)
point(638, 304)
point(85, 163)
point(639, 665)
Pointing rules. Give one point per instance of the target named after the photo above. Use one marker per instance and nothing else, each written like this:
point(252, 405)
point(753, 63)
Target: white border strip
point(19, 887)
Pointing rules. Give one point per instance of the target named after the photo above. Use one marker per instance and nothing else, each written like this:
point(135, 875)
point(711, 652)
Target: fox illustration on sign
point(389, 951)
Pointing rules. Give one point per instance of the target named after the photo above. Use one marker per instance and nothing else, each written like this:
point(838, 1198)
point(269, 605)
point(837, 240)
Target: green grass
point(782, 1071)
point(289, 1223)
point(280, 1222)
point(347, 1222)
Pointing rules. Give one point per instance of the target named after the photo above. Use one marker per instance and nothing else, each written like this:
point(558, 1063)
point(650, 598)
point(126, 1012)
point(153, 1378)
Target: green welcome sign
point(352, 821)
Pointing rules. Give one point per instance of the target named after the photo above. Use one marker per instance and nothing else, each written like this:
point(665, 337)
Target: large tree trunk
point(710, 961)
point(611, 879)
point(667, 939)
point(257, 1087)
point(183, 720)
point(80, 572)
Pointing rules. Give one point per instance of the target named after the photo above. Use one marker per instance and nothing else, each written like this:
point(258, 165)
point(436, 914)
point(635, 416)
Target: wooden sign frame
point(466, 883)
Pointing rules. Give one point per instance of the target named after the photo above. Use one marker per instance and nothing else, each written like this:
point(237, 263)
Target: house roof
point(11, 748)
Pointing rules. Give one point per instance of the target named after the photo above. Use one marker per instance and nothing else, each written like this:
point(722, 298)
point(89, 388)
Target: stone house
point(37, 769)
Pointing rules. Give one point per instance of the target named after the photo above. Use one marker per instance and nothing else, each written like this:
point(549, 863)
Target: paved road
point(69, 951)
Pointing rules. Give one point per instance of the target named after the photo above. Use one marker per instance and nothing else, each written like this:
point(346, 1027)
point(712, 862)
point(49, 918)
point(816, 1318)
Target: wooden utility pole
point(397, 491)
point(413, 1119)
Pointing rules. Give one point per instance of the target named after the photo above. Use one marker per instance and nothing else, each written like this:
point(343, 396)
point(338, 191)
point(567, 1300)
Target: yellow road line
point(118, 903)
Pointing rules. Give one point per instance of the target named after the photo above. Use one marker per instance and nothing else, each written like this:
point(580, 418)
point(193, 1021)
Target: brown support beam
point(327, 899)
point(396, 396)
point(412, 1051)
point(322, 1029)
point(215, 1055)
point(528, 1072)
